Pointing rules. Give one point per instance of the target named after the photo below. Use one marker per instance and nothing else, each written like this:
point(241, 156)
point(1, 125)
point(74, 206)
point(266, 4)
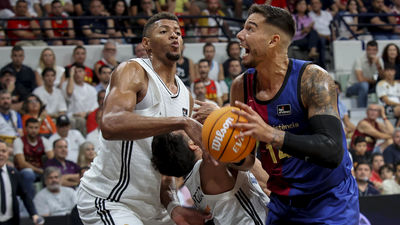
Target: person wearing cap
point(72, 136)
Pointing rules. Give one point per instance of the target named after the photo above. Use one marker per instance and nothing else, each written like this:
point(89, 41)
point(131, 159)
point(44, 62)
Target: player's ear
point(274, 40)
point(146, 43)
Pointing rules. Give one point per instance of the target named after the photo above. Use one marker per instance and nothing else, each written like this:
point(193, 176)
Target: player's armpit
point(318, 92)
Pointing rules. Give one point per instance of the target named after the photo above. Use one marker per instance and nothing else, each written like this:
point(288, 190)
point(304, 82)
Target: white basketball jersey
point(122, 171)
point(246, 203)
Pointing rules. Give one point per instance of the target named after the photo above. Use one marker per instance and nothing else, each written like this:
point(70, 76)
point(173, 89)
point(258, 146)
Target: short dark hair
point(171, 155)
point(276, 17)
point(385, 166)
point(375, 155)
point(17, 48)
point(78, 65)
point(372, 43)
point(159, 16)
point(58, 140)
point(359, 139)
point(31, 120)
point(389, 66)
point(204, 60)
point(102, 67)
point(208, 44)
point(48, 69)
point(55, 2)
point(78, 47)
point(363, 162)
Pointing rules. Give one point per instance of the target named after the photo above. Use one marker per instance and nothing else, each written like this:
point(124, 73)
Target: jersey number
point(281, 154)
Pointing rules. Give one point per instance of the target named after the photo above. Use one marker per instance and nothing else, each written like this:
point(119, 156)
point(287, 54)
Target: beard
point(173, 57)
point(54, 187)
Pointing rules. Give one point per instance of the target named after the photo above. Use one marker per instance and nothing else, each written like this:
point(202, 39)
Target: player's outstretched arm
point(128, 86)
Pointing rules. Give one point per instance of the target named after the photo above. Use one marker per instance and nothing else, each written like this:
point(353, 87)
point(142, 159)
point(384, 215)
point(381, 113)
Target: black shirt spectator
point(391, 154)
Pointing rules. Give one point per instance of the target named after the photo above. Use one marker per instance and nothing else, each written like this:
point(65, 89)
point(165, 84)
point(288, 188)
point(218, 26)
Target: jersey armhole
point(303, 67)
point(245, 88)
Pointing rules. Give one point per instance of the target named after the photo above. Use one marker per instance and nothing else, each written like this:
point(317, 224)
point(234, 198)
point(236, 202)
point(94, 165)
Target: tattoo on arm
point(277, 139)
point(318, 92)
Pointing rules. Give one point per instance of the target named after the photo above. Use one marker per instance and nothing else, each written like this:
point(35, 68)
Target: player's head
point(162, 36)
point(172, 155)
point(360, 145)
point(268, 30)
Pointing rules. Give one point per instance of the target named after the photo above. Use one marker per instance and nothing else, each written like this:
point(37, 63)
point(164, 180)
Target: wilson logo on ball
point(220, 134)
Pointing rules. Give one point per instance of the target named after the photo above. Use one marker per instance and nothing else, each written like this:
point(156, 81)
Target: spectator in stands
point(216, 72)
point(8, 83)
point(185, 69)
point(86, 155)
point(24, 74)
point(93, 136)
point(13, 186)
point(109, 58)
point(377, 163)
point(73, 137)
point(391, 57)
point(29, 151)
point(391, 154)
point(69, 170)
point(234, 70)
point(210, 25)
point(51, 96)
point(146, 9)
point(104, 77)
point(48, 60)
point(386, 172)
point(80, 7)
point(213, 92)
point(140, 51)
point(384, 24)
point(358, 153)
point(66, 5)
point(322, 20)
point(10, 120)
point(32, 32)
point(54, 200)
point(200, 91)
point(79, 57)
point(352, 21)
point(98, 30)
point(373, 130)
point(122, 27)
point(80, 96)
point(33, 7)
point(388, 92)
point(348, 126)
point(3, 41)
point(6, 10)
point(365, 187)
point(362, 81)
point(34, 108)
point(233, 52)
point(91, 122)
point(395, 9)
point(392, 186)
point(306, 38)
point(57, 29)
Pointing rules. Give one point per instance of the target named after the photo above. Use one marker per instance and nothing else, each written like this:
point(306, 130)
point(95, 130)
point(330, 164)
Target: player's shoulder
point(127, 74)
point(316, 77)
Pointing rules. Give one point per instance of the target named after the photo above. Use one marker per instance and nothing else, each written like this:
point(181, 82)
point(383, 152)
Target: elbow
point(334, 160)
point(108, 128)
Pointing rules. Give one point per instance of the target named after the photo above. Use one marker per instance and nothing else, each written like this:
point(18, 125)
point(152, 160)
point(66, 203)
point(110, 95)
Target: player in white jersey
point(144, 98)
point(231, 196)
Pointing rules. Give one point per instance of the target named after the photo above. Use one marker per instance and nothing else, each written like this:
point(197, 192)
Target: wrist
point(171, 206)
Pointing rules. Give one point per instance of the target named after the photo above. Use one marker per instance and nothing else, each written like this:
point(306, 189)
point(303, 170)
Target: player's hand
point(186, 216)
point(205, 109)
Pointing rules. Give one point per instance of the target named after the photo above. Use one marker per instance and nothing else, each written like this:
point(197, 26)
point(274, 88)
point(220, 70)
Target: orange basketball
point(219, 138)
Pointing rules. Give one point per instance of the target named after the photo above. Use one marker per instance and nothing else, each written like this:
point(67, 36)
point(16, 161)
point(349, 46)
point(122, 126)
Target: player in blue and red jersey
point(291, 108)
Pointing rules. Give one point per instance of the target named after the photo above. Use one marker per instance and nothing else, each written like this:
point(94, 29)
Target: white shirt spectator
point(74, 139)
point(383, 88)
point(390, 187)
point(322, 22)
point(93, 137)
point(55, 204)
point(368, 70)
point(83, 98)
point(18, 146)
point(54, 102)
point(59, 72)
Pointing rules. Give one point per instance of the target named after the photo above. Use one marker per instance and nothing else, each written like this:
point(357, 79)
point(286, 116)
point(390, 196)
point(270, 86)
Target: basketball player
point(144, 98)
point(231, 196)
point(291, 108)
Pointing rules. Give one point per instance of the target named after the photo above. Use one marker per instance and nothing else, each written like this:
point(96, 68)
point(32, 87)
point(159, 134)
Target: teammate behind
point(231, 196)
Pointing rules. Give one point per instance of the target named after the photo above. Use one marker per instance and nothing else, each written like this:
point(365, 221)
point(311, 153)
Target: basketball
point(219, 138)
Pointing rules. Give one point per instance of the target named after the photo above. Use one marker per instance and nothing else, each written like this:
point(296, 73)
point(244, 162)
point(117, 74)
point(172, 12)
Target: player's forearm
point(323, 147)
point(130, 126)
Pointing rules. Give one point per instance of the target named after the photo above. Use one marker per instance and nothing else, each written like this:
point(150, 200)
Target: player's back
point(122, 171)
point(246, 203)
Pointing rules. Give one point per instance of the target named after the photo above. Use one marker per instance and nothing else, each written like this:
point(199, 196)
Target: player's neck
point(271, 73)
point(165, 69)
